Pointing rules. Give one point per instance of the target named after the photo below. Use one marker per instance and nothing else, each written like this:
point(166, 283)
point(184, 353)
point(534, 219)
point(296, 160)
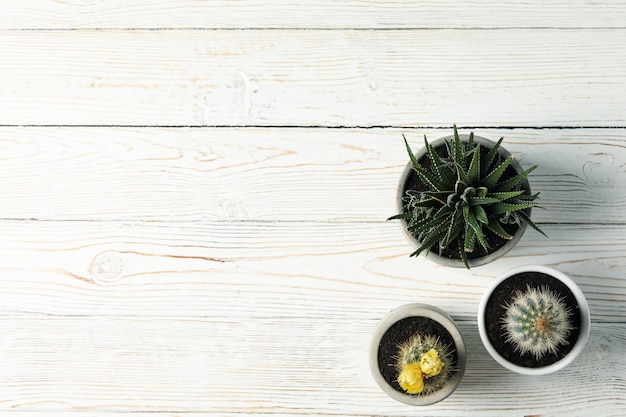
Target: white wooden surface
point(194, 197)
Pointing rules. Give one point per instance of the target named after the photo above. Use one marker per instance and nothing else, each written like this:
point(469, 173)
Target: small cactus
point(424, 365)
point(537, 321)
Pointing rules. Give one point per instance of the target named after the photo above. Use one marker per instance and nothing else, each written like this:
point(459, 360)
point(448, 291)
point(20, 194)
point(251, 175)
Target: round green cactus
point(537, 321)
point(424, 365)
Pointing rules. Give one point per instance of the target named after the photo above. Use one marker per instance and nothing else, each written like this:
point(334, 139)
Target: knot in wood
point(106, 267)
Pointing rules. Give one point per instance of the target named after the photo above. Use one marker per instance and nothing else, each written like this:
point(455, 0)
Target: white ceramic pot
point(583, 330)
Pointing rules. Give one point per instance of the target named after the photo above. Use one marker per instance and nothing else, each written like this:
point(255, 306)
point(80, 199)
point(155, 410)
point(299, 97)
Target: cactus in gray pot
point(424, 365)
point(537, 321)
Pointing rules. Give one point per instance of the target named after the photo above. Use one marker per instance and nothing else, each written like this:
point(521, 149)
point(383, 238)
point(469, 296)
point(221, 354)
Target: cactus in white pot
point(537, 321)
point(534, 320)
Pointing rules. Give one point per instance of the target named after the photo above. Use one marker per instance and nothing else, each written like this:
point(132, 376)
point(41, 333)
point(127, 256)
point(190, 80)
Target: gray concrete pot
point(575, 299)
point(403, 185)
point(394, 326)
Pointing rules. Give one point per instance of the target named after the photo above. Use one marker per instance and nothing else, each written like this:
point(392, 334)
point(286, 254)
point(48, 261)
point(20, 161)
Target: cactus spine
point(424, 365)
point(537, 321)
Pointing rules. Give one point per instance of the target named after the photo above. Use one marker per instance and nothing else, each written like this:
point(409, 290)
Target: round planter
point(408, 180)
point(397, 327)
point(501, 292)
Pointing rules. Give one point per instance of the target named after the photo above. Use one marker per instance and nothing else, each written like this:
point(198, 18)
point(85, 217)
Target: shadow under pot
point(410, 182)
point(417, 355)
point(534, 320)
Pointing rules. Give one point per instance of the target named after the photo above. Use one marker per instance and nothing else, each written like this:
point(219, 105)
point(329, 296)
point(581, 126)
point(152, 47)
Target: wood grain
point(314, 78)
point(269, 365)
point(271, 269)
point(243, 14)
point(278, 174)
point(194, 197)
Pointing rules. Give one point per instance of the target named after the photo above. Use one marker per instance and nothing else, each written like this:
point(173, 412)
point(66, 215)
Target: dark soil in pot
point(413, 182)
point(495, 310)
point(401, 332)
point(452, 251)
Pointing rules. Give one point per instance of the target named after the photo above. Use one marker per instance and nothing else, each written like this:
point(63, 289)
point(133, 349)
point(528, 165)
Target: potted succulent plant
point(417, 354)
point(533, 320)
point(464, 200)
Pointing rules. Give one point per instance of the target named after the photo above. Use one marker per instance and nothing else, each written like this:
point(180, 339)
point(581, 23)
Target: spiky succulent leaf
point(528, 197)
point(531, 223)
point(430, 179)
point(482, 191)
point(431, 239)
point(469, 194)
point(457, 156)
point(463, 255)
point(432, 228)
point(470, 219)
point(441, 196)
point(503, 196)
point(454, 230)
point(492, 178)
point(495, 226)
point(462, 176)
point(506, 207)
point(414, 160)
point(483, 201)
point(427, 222)
point(430, 202)
point(440, 168)
point(421, 172)
point(473, 172)
point(490, 157)
point(470, 239)
point(402, 216)
point(509, 184)
point(481, 214)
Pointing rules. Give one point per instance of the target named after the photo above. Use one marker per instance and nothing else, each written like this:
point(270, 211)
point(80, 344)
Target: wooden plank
point(284, 365)
point(278, 174)
point(271, 269)
point(18, 14)
point(312, 77)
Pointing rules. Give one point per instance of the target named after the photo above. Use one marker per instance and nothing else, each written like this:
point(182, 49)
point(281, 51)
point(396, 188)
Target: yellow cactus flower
point(430, 364)
point(411, 379)
point(425, 365)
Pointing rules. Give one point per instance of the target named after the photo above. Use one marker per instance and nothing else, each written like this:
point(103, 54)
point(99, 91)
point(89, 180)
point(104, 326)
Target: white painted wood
point(272, 269)
point(20, 14)
point(237, 261)
point(266, 365)
point(278, 174)
point(313, 77)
